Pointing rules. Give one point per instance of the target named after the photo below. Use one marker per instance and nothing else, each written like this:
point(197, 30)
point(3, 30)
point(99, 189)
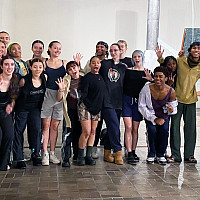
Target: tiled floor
point(105, 180)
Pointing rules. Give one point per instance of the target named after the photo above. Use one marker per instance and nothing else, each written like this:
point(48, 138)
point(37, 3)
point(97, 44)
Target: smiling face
point(5, 37)
point(55, 49)
point(137, 58)
point(37, 50)
point(195, 52)
point(95, 65)
point(37, 69)
point(159, 78)
point(115, 52)
point(2, 49)
point(8, 67)
point(15, 51)
point(101, 50)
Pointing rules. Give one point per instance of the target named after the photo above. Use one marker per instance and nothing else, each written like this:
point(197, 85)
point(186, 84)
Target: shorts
point(51, 108)
point(130, 108)
point(84, 114)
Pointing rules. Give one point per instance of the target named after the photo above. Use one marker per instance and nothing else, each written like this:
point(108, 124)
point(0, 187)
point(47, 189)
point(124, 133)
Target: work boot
point(108, 156)
point(118, 158)
point(80, 158)
point(88, 159)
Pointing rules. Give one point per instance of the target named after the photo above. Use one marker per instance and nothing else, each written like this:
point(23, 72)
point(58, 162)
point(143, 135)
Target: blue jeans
point(158, 138)
point(112, 139)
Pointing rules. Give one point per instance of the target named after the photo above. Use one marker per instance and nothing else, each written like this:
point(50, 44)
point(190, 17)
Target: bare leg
point(92, 134)
point(135, 134)
point(128, 133)
point(45, 131)
point(53, 133)
point(86, 130)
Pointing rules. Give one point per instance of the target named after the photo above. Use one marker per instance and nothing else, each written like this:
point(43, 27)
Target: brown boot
point(118, 158)
point(108, 156)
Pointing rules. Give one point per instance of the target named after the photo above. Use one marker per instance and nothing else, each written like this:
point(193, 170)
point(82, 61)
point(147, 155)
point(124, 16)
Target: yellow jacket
point(186, 80)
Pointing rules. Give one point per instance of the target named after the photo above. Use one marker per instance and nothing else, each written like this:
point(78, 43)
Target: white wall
point(80, 24)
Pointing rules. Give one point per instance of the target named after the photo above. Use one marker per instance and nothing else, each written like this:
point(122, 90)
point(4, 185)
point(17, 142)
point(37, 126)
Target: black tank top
point(53, 75)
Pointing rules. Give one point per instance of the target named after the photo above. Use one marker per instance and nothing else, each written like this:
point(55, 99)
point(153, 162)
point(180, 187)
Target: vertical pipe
point(153, 23)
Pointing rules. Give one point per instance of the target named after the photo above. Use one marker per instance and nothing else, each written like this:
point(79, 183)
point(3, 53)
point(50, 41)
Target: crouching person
point(156, 102)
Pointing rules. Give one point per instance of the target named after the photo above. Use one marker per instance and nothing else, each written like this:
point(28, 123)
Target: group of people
point(41, 92)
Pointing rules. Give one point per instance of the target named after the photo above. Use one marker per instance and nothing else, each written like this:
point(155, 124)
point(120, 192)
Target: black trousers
point(71, 135)
point(6, 138)
point(33, 121)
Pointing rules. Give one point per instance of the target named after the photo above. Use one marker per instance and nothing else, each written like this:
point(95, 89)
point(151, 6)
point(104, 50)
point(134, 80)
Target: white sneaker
point(161, 160)
point(94, 153)
point(53, 159)
point(45, 159)
point(150, 160)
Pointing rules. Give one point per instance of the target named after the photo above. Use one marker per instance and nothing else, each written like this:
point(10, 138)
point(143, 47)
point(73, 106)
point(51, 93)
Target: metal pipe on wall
point(152, 24)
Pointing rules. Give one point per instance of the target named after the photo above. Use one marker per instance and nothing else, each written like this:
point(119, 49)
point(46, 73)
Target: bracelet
point(60, 90)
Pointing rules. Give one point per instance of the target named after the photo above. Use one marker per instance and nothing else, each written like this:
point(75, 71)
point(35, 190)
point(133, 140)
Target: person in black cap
point(101, 53)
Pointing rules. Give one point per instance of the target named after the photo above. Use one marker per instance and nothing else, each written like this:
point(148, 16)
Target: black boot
point(88, 159)
point(80, 159)
point(130, 158)
point(137, 159)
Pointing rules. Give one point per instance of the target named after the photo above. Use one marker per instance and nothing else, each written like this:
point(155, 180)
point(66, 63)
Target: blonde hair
point(122, 41)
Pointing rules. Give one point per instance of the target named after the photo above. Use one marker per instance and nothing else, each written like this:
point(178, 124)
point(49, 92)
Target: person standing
point(127, 60)
point(113, 72)
point(8, 94)
point(135, 78)
point(188, 73)
point(52, 110)
point(28, 112)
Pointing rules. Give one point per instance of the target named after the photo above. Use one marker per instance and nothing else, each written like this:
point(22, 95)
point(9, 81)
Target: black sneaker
point(90, 161)
point(21, 165)
point(65, 164)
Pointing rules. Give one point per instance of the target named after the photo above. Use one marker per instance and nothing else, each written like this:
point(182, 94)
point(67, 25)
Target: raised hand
point(171, 79)
point(78, 58)
point(61, 84)
point(181, 52)
point(159, 51)
point(148, 75)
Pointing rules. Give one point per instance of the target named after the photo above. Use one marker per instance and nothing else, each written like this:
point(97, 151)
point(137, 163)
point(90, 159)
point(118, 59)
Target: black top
point(29, 96)
point(133, 82)
point(53, 75)
point(74, 93)
point(4, 101)
point(113, 75)
point(127, 61)
point(92, 92)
